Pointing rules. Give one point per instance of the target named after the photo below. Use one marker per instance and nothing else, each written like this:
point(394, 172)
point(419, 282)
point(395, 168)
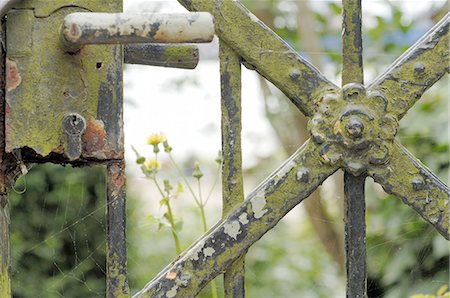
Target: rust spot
point(171, 275)
point(337, 128)
point(13, 78)
point(94, 137)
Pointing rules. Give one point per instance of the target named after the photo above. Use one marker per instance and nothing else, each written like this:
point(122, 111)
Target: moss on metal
point(5, 263)
point(54, 83)
point(232, 180)
point(120, 288)
point(410, 180)
point(352, 64)
point(353, 129)
point(178, 56)
point(268, 53)
point(404, 82)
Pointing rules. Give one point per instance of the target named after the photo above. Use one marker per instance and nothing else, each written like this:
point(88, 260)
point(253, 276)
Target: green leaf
point(163, 201)
point(179, 188)
point(179, 225)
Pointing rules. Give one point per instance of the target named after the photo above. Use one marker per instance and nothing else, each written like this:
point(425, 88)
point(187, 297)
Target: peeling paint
point(171, 275)
point(208, 252)
point(243, 218)
point(258, 204)
point(197, 250)
point(232, 229)
point(172, 292)
point(101, 28)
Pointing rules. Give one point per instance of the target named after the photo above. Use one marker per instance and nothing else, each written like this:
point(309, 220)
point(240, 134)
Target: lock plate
point(44, 84)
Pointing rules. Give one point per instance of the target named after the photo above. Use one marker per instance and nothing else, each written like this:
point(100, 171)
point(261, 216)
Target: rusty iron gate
point(65, 57)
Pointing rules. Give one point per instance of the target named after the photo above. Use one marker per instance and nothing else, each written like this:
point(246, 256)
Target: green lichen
point(54, 82)
point(416, 70)
point(410, 180)
point(5, 277)
point(180, 55)
point(232, 179)
point(268, 53)
point(352, 65)
point(116, 276)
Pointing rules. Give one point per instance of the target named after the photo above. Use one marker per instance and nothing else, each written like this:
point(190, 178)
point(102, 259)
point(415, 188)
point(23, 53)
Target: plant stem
point(214, 293)
point(201, 206)
point(184, 179)
point(172, 224)
point(213, 186)
point(170, 217)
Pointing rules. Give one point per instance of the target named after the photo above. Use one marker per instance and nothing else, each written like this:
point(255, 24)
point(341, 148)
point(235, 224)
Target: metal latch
point(63, 59)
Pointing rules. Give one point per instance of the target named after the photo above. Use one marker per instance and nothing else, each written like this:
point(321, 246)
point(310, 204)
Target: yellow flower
point(153, 164)
point(156, 139)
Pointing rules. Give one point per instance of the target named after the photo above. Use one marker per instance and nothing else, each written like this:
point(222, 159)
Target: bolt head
point(355, 128)
point(303, 175)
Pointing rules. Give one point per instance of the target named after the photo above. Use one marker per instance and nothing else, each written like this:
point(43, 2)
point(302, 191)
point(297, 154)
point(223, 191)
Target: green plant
point(150, 168)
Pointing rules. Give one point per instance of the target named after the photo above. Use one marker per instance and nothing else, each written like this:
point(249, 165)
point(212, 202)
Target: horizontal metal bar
point(406, 177)
point(404, 82)
point(223, 244)
point(122, 28)
point(270, 56)
point(176, 56)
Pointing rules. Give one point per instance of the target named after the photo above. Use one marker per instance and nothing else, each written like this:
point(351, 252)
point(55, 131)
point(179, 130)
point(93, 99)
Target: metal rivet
point(355, 128)
point(419, 68)
point(303, 175)
point(295, 75)
point(418, 183)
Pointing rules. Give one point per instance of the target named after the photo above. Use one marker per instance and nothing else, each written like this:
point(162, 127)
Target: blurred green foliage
point(58, 232)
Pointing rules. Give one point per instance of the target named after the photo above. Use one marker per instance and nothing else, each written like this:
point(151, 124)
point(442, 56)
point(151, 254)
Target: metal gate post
point(354, 199)
point(73, 86)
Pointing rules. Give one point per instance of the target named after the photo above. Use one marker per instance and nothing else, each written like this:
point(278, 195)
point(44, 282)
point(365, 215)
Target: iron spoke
point(294, 181)
point(271, 57)
point(406, 177)
point(404, 82)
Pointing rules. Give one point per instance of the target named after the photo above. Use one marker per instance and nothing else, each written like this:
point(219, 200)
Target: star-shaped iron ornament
point(352, 128)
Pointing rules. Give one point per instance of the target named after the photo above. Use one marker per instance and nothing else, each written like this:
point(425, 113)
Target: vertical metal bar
point(232, 180)
point(116, 258)
point(355, 235)
point(352, 64)
point(355, 208)
point(5, 258)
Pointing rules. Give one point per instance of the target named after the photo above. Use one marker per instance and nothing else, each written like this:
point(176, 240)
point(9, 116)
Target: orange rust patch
point(94, 137)
point(171, 275)
point(13, 78)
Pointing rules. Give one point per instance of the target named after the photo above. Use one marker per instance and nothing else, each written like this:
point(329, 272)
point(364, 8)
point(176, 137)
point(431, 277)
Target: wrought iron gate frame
point(352, 128)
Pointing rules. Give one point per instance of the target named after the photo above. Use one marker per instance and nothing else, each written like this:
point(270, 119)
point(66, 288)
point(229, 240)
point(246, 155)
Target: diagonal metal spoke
point(294, 181)
point(271, 57)
point(416, 70)
point(406, 177)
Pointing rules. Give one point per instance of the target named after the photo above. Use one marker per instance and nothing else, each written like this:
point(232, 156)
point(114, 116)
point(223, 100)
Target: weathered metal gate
point(78, 85)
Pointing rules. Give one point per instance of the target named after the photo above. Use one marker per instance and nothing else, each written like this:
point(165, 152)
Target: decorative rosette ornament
point(353, 129)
